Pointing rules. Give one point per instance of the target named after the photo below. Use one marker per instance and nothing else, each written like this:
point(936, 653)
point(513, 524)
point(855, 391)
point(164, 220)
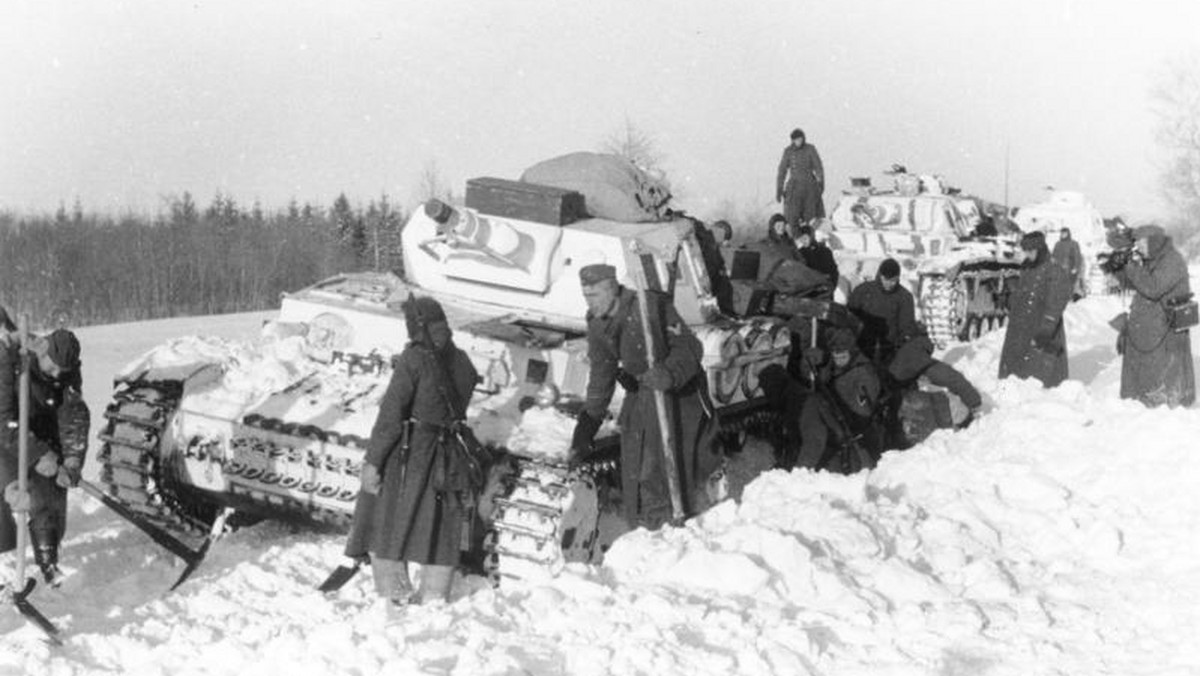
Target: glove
point(370, 479)
point(18, 501)
point(658, 378)
point(1043, 342)
point(779, 196)
point(586, 427)
point(627, 380)
point(69, 472)
point(47, 465)
point(1043, 337)
point(814, 356)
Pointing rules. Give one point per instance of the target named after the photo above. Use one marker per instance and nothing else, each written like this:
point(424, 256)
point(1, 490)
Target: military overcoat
point(615, 344)
point(419, 512)
point(801, 180)
point(1037, 299)
point(1157, 366)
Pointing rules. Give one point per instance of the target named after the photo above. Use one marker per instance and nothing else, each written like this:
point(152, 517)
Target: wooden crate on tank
point(525, 201)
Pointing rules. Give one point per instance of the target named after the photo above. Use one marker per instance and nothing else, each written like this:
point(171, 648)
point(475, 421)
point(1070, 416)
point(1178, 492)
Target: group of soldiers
point(842, 394)
point(1152, 338)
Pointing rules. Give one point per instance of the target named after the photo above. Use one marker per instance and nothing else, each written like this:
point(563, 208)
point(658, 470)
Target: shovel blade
point(21, 601)
point(338, 578)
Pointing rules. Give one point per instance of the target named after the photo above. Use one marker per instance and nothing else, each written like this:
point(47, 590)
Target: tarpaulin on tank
point(613, 187)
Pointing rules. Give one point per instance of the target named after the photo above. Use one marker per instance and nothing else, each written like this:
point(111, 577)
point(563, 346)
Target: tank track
point(132, 466)
point(274, 470)
point(942, 309)
point(951, 313)
point(547, 515)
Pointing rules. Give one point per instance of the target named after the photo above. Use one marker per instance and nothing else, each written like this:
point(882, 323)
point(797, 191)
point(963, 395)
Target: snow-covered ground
point(1060, 534)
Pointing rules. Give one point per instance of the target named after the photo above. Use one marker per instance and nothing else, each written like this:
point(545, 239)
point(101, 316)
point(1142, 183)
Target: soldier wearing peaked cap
point(590, 275)
point(617, 354)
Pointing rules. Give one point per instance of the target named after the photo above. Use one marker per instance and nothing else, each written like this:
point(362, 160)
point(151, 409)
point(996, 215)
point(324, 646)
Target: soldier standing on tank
point(59, 422)
point(617, 354)
point(418, 481)
point(800, 181)
point(1035, 341)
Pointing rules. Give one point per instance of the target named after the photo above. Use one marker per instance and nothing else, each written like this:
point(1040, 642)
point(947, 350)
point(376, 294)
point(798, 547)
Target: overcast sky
point(119, 103)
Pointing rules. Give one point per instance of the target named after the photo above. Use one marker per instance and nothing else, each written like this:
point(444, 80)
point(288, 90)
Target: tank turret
point(957, 277)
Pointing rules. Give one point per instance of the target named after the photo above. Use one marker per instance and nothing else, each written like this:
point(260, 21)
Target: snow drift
point(1058, 534)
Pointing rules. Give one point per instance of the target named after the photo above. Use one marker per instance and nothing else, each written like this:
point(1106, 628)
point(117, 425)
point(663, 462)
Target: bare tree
point(1175, 101)
point(433, 185)
point(636, 145)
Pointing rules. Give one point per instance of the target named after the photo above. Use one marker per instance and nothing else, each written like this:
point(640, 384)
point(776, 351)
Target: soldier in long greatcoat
point(617, 353)
point(418, 480)
point(1067, 255)
point(1035, 342)
point(800, 181)
point(1157, 365)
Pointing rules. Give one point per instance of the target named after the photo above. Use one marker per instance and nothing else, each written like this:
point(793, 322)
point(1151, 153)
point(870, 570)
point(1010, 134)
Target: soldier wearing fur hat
point(421, 472)
point(58, 436)
point(1035, 342)
point(617, 354)
point(1157, 359)
point(800, 181)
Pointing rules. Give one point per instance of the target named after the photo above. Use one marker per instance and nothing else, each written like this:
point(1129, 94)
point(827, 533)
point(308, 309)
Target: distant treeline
point(75, 269)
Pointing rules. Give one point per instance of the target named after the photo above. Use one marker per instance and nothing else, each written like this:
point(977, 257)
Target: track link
point(134, 470)
point(966, 305)
point(546, 515)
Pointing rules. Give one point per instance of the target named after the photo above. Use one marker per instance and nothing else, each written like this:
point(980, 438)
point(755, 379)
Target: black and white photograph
point(599, 338)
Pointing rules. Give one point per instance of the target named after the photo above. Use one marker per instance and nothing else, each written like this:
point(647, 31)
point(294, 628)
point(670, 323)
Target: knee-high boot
point(45, 554)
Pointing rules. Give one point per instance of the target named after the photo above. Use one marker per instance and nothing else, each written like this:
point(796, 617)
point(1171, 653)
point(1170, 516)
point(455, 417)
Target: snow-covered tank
point(1072, 210)
point(278, 426)
point(957, 276)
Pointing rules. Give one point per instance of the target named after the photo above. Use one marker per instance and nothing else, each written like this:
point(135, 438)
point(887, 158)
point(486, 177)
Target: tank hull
point(277, 427)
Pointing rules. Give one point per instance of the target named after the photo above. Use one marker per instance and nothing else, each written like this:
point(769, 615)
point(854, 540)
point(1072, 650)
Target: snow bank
point(1058, 534)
